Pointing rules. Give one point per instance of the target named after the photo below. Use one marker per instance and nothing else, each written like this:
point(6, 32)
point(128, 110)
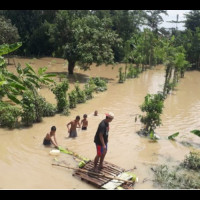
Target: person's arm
point(79, 125)
point(102, 141)
point(54, 142)
point(68, 127)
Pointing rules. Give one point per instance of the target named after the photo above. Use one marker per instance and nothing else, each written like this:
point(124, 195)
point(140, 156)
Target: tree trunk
point(71, 66)
point(167, 80)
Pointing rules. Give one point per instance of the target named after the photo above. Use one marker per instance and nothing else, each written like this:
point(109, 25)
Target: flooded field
point(26, 164)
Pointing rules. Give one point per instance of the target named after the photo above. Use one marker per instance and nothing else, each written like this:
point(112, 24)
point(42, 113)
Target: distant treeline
point(100, 36)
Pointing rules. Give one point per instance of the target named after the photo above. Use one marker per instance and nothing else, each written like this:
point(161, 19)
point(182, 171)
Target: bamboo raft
point(110, 177)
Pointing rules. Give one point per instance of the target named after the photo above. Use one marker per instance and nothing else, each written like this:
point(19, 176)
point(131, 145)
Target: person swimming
point(95, 113)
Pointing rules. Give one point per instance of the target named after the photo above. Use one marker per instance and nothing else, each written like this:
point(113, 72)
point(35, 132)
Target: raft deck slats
point(109, 170)
point(98, 181)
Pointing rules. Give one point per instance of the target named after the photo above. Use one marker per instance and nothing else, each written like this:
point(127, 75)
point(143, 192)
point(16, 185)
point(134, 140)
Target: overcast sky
point(172, 14)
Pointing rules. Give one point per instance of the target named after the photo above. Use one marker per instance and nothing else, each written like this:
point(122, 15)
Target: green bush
point(60, 92)
point(28, 107)
point(34, 108)
point(133, 72)
point(66, 111)
point(176, 178)
point(49, 109)
point(72, 99)
point(121, 76)
point(192, 161)
point(89, 88)
point(101, 85)
point(9, 115)
point(39, 103)
point(153, 106)
point(81, 97)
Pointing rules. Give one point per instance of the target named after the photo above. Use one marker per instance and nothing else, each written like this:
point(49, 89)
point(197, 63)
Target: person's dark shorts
point(100, 149)
point(73, 134)
point(84, 128)
point(46, 142)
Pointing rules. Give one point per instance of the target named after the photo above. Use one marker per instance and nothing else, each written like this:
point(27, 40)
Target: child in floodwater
point(48, 138)
point(84, 122)
point(74, 124)
point(95, 113)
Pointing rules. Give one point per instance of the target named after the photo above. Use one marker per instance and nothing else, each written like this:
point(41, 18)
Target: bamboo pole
point(94, 173)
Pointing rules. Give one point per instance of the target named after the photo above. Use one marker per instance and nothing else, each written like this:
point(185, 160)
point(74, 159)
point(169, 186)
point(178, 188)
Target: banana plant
point(11, 85)
point(8, 48)
point(33, 80)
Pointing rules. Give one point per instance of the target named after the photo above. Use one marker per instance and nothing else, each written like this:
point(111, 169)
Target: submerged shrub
point(9, 115)
point(180, 177)
point(192, 161)
point(176, 179)
point(28, 107)
point(34, 108)
point(81, 97)
point(89, 88)
point(101, 85)
point(72, 99)
point(121, 76)
point(49, 109)
point(60, 92)
point(152, 106)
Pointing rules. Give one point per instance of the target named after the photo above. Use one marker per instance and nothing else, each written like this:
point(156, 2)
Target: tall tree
point(154, 19)
point(192, 20)
point(83, 38)
point(8, 32)
point(32, 28)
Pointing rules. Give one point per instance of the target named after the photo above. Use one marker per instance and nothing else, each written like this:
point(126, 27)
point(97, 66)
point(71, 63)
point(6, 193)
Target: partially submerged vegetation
point(27, 106)
point(184, 176)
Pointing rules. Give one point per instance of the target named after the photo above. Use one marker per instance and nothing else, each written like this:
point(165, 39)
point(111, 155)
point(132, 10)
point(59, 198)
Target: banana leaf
point(7, 48)
point(72, 153)
point(171, 137)
point(13, 98)
point(153, 136)
point(196, 132)
point(65, 150)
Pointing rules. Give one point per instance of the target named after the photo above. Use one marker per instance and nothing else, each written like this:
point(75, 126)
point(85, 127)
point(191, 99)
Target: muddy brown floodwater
point(26, 164)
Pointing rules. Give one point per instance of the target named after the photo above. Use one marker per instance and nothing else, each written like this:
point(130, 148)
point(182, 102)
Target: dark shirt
point(104, 129)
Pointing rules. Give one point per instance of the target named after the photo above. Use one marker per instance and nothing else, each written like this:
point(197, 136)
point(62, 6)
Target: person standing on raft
point(101, 140)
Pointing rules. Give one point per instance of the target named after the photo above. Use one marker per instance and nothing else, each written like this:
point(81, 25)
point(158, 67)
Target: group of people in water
point(100, 138)
point(50, 137)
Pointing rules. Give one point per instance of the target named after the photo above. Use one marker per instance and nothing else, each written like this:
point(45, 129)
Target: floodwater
point(26, 164)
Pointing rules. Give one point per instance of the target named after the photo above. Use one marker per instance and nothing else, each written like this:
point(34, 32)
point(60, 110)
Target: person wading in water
point(74, 124)
point(50, 138)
